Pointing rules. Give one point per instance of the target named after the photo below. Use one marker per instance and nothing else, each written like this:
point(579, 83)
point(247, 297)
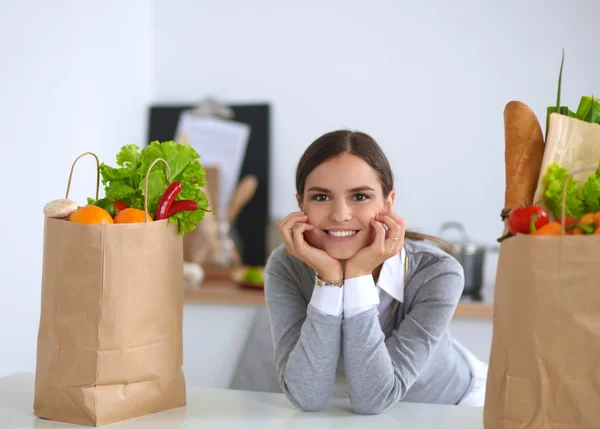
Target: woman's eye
point(320, 197)
point(361, 197)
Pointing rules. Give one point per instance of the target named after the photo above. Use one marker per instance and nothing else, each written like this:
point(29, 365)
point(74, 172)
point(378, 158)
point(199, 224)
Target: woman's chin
point(341, 252)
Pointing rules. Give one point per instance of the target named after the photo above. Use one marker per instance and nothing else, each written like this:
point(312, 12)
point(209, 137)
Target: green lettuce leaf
point(129, 156)
point(122, 183)
point(590, 193)
point(555, 178)
point(579, 199)
point(178, 156)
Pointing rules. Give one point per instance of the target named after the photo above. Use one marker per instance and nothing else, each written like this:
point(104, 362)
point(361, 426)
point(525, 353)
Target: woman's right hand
point(292, 229)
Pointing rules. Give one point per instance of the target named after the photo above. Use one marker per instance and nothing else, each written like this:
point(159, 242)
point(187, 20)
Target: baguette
point(523, 154)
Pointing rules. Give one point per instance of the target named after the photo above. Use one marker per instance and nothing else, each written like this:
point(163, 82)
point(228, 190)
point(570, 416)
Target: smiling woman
point(360, 307)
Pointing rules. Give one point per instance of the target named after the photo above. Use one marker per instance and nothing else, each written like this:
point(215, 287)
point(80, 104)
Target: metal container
point(471, 256)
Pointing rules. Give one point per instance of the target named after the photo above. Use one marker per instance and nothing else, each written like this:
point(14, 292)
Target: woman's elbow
point(305, 402)
point(303, 396)
point(311, 405)
point(368, 409)
point(375, 404)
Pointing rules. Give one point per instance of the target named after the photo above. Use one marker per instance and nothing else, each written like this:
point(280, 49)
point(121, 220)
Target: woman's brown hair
point(336, 143)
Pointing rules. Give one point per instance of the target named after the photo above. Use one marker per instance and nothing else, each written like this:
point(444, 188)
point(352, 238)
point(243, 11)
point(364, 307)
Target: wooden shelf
point(222, 291)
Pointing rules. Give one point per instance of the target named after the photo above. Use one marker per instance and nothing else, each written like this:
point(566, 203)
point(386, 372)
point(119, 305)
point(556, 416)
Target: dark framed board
point(251, 224)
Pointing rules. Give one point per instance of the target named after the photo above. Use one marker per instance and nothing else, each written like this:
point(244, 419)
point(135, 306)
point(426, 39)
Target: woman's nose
point(340, 212)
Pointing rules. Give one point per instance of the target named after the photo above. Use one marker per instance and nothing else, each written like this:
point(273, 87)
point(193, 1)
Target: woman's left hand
point(385, 245)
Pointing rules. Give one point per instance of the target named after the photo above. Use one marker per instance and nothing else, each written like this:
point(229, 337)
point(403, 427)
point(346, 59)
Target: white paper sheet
point(221, 143)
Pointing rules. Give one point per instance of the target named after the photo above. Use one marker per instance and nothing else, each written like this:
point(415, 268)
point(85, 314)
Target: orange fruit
point(131, 215)
point(90, 214)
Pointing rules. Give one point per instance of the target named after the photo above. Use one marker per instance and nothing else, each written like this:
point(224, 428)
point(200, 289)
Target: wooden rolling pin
point(243, 193)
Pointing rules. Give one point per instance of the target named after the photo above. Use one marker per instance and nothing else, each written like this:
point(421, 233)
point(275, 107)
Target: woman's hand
point(292, 229)
point(384, 246)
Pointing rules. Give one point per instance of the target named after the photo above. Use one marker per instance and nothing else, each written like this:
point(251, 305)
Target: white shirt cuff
point(327, 299)
point(360, 294)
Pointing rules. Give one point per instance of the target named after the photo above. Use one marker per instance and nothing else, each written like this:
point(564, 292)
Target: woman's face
point(341, 196)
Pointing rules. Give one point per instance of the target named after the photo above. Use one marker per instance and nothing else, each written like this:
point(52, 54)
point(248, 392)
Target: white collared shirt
point(360, 293)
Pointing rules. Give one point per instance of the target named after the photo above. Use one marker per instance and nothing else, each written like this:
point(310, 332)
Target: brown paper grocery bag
point(544, 369)
point(110, 334)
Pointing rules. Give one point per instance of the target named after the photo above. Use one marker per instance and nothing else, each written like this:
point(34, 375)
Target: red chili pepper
point(182, 205)
point(120, 206)
point(167, 200)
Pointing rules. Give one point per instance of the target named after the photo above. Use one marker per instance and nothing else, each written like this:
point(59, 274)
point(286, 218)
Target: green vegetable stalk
point(588, 109)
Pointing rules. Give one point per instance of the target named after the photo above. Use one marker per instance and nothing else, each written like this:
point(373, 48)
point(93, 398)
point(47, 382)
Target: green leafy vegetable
point(126, 182)
point(579, 199)
point(588, 109)
point(590, 193)
point(555, 179)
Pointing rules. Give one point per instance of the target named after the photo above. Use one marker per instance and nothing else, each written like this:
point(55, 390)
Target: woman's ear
point(389, 201)
point(299, 200)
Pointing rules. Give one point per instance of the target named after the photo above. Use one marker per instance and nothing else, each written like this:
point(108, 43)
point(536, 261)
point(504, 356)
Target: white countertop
point(223, 408)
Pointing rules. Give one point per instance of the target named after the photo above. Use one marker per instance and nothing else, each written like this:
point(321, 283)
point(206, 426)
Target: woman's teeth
point(341, 233)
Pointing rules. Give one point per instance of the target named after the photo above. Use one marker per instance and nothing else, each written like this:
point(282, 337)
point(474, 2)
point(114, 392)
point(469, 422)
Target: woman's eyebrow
point(361, 189)
point(318, 189)
point(350, 191)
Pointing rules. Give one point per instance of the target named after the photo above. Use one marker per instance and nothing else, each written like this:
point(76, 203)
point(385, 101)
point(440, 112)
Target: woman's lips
point(340, 234)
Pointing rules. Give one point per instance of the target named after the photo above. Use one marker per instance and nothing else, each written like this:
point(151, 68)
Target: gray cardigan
point(318, 355)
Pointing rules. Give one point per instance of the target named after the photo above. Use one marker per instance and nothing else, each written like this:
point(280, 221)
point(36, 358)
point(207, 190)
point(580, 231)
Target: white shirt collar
point(391, 277)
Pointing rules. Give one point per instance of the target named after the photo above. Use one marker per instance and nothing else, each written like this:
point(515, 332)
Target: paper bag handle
point(146, 187)
point(563, 209)
point(97, 173)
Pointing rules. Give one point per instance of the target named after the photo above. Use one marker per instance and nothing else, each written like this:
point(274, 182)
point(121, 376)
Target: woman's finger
point(286, 227)
point(298, 245)
point(298, 234)
point(395, 224)
point(394, 229)
point(398, 219)
point(290, 220)
point(395, 234)
point(379, 241)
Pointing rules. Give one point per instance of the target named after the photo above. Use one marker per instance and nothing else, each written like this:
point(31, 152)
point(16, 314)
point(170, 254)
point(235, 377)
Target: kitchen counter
point(224, 408)
point(224, 291)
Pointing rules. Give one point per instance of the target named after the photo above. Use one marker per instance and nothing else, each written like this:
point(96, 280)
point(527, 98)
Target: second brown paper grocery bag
point(543, 370)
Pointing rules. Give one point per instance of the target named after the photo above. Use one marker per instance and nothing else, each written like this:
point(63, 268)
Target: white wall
point(429, 80)
point(75, 77)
